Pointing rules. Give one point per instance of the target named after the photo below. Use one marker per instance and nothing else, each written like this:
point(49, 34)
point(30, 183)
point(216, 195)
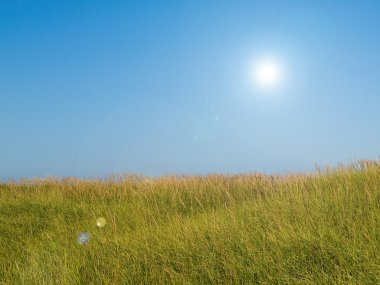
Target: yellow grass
point(319, 228)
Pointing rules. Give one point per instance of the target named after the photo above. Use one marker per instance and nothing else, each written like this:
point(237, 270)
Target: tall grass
point(320, 228)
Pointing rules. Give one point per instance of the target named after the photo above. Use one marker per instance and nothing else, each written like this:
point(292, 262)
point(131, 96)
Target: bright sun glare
point(267, 74)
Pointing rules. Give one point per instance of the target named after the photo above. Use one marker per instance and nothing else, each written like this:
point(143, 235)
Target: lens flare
point(100, 222)
point(83, 238)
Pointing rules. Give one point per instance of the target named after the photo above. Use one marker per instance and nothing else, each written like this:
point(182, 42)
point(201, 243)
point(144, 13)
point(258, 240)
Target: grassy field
point(320, 228)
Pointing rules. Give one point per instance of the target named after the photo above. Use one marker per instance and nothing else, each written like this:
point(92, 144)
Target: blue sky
point(90, 88)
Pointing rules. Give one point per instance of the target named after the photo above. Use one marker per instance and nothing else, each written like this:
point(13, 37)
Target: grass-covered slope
point(322, 228)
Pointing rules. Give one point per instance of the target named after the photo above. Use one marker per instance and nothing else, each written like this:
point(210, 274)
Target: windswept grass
point(322, 228)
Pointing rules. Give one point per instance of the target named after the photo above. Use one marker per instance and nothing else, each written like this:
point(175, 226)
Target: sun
point(267, 74)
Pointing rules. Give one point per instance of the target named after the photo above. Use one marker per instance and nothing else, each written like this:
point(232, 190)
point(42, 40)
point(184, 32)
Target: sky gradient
point(91, 88)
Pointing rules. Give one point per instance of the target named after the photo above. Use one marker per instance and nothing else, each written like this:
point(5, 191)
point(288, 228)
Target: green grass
point(320, 228)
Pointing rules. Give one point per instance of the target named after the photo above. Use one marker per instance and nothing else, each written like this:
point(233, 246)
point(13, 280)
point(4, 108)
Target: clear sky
point(90, 88)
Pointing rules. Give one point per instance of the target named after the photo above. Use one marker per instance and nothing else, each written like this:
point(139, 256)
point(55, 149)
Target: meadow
point(316, 228)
